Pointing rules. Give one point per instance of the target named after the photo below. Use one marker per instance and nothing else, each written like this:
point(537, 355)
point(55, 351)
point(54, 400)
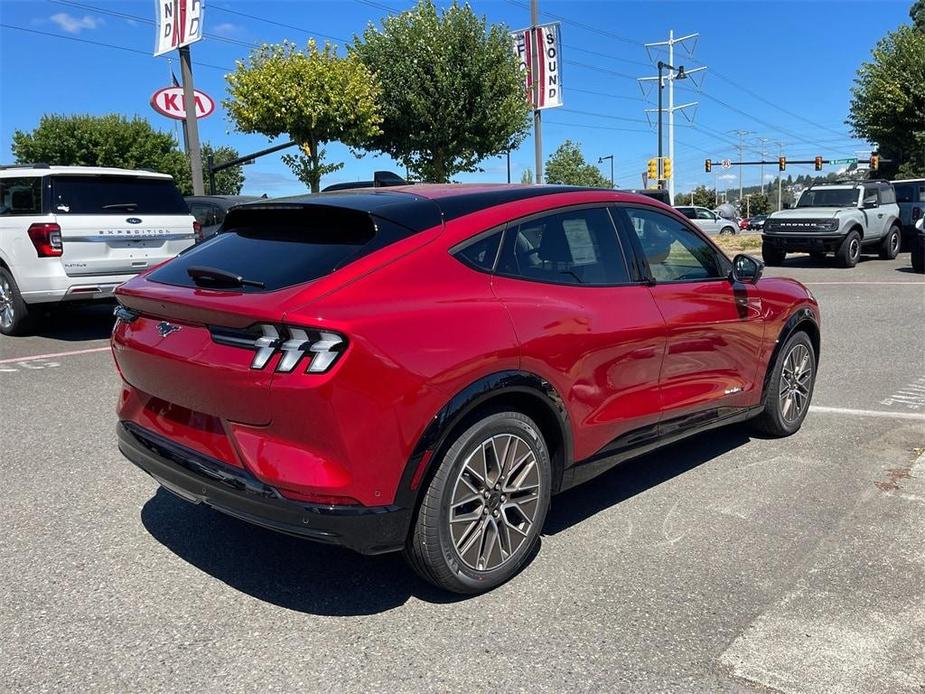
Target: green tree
point(527, 176)
point(701, 196)
point(754, 204)
point(452, 91)
point(227, 182)
point(917, 13)
point(109, 140)
point(313, 96)
point(567, 165)
point(888, 102)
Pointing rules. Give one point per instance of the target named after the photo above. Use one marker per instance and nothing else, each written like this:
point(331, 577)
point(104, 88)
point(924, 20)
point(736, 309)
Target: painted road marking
point(55, 355)
point(916, 416)
point(31, 365)
point(911, 396)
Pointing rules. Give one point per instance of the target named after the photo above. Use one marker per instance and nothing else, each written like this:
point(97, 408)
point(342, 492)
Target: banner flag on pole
point(539, 50)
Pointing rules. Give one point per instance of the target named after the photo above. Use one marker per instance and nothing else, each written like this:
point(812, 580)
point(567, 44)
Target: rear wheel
point(889, 249)
point(727, 231)
point(849, 252)
point(771, 255)
point(15, 318)
point(481, 515)
point(790, 388)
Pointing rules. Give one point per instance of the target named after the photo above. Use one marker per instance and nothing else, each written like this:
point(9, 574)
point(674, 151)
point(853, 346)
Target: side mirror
point(870, 203)
point(746, 269)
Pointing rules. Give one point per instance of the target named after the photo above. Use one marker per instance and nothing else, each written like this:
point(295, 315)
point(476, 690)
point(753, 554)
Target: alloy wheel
point(795, 383)
point(495, 501)
point(894, 244)
point(854, 249)
point(6, 304)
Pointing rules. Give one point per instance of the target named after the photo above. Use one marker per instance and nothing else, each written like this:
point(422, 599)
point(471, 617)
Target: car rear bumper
point(199, 479)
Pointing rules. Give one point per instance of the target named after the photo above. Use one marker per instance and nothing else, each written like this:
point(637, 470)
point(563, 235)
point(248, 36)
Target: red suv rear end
point(421, 368)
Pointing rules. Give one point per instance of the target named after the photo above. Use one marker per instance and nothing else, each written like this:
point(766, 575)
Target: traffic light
point(818, 163)
point(874, 161)
point(653, 169)
point(708, 165)
point(666, 168)
point(782, 163)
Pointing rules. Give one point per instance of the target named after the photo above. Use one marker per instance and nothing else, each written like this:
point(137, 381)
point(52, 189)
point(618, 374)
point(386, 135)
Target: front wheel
point(790, 388)
point(727, 231)
point(772, 256)
point(889, 249)
point(849, 252)
point(481, 515)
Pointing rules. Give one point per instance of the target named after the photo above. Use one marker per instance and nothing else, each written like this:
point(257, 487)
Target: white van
point(74, 233)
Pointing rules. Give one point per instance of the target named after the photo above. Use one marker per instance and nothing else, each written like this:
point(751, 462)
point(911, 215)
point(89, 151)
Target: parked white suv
point(709, 221)
point(74, 233)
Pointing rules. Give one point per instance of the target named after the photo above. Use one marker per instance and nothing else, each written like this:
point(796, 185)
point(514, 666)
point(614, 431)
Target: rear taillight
point(197, 231)
point(47, 240)
point(916, 213)
point(319, 348)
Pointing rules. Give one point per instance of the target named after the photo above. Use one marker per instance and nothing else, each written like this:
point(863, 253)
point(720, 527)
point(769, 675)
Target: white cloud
point(74, 25)
point(728, 177)
point(226, 29)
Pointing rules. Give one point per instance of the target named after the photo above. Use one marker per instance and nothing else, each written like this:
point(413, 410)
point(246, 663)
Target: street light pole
point(679, 76)
point(601, 161)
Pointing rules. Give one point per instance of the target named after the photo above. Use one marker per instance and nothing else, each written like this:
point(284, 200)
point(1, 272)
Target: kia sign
point(169, 102)
point(179, 23)
point(538, 49)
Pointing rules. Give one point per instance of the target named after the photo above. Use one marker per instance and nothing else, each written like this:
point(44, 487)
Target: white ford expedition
point(74, 233)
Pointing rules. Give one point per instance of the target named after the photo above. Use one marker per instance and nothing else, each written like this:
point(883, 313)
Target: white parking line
point(916, 416)
point(54, 355)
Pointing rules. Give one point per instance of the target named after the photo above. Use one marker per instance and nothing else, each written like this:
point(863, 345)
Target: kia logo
point(133, 220)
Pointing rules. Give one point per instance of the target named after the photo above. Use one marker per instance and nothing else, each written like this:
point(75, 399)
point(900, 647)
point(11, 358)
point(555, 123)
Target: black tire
point(772, 256)
point(918, 257)
point(432, 548)
point(818, 255)
point(849, 252)
point(889, 248)
point(773, 420)
point(15, 317)
point(728, 231)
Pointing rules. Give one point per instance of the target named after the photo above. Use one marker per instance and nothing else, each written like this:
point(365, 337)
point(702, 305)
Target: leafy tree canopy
point(755, 204)
point(313, 96)
point(452, 91)
point(527, 176)
point(888, 101)
point(917, 13)
point(227, 181)
point(701, 196)
point(567, 165)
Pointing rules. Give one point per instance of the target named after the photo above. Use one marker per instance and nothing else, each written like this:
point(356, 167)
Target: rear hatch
point(192, 337)
point(118, 224)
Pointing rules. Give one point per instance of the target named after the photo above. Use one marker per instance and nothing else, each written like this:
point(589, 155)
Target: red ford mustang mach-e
point(421, 368)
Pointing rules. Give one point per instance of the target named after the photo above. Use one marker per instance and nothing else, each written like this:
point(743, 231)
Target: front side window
point(21, 196)
point(705, 214)
point(575, 247)
point(674, 252)
point(688, 212)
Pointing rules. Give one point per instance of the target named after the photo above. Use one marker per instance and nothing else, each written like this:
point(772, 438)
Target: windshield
point(829, 197)
point(118, 195)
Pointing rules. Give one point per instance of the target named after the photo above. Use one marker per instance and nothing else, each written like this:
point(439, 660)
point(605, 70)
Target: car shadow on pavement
point(287, 571)
point(634, 476)
point(77, 323)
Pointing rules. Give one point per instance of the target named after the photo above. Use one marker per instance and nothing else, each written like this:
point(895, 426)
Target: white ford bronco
point(74, 233)
point(844, 218)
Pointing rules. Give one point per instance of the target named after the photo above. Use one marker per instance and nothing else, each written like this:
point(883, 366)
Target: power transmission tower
point(741, 148)
point(691, 40)
point(763, 141)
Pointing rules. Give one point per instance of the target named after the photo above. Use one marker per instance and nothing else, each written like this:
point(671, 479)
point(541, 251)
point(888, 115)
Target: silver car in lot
point(709, 221)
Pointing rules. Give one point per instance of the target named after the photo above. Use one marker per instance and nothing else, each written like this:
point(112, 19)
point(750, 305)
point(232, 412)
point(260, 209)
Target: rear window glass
point(20, 196)
point(481, 254)
point(909, 192)
point(118, 195)
point(283, 247)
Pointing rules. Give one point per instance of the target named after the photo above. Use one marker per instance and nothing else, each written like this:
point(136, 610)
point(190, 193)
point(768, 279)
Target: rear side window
point(206, 215)
point(21, 196)
point(284, 246)
point(575, 247)
point(481, 254)
point(688, 212)
point(887, 195)
point(909, 192)
point(117, 195)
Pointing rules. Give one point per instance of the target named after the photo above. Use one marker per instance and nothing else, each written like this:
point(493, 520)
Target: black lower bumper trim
point(199, 479)
point(803, 243)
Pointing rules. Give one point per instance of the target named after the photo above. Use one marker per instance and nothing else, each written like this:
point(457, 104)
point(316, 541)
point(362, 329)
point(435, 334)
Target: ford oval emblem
point(133, 220)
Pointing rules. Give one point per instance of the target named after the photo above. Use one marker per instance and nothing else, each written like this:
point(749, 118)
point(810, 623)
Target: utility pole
point(763, 141)
point(192, 127)
point(741, 147)
point(601, 161)
point(670, 78)
point(537, 118)
point(780, 177)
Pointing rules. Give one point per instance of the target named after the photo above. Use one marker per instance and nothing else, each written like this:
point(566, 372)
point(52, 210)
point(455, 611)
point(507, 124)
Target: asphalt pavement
point(726, 563)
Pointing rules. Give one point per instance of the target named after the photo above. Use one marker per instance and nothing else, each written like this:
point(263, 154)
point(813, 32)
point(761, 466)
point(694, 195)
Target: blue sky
point(780, 69)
